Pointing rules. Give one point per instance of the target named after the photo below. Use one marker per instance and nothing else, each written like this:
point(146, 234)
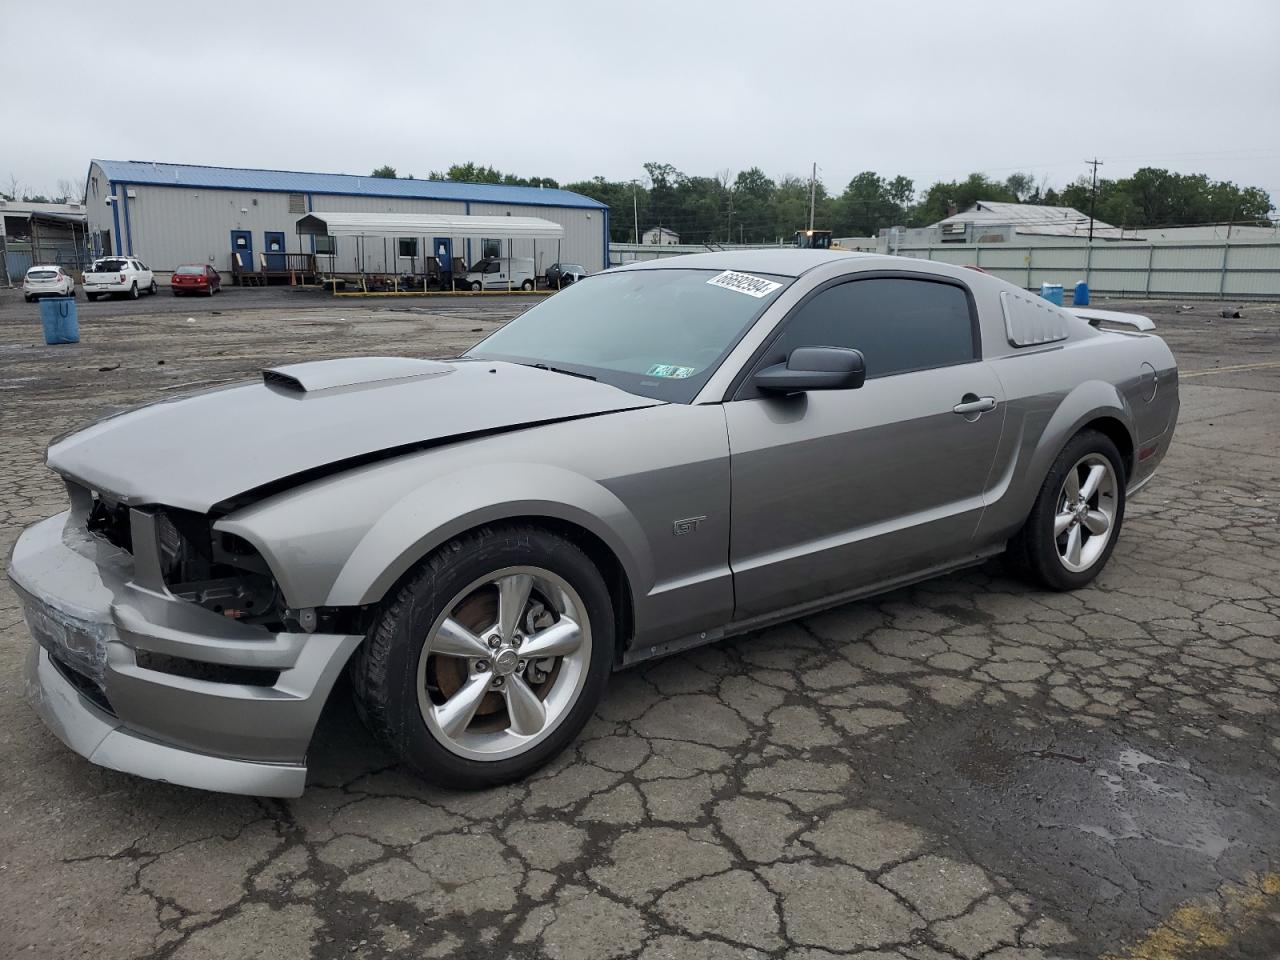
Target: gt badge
point(681, 527)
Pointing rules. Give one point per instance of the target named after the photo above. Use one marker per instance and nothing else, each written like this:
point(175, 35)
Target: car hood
point(197, 451)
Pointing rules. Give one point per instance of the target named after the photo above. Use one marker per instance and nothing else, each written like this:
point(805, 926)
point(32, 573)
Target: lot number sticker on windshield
point(669, 370)
point(744, 283)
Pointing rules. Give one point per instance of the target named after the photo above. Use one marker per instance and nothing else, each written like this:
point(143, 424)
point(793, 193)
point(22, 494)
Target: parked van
point(501, 273)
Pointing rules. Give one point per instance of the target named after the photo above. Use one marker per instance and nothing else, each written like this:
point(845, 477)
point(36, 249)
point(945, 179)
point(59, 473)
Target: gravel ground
point(967, 768)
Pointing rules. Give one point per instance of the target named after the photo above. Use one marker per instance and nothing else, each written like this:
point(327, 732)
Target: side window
point(494, 267)
point(899, 325)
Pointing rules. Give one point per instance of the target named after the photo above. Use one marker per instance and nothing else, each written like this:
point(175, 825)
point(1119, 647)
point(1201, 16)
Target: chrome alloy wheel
point(1086, 514)
point(504, 663)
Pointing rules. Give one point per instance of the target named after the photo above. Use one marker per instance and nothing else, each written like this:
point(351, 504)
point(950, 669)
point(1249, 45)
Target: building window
point(490, 248)
point(325, 245)
point(297, 203)
point(409, 247)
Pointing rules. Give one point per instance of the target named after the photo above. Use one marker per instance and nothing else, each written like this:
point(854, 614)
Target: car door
point(835, 491)
point(146, 276)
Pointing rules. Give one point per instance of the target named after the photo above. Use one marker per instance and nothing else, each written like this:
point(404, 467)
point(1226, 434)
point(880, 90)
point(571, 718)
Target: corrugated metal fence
point(1236, 271)
point(1192, 271)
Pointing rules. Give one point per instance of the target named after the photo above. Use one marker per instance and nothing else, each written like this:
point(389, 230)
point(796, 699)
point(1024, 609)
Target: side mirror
point(814, 368)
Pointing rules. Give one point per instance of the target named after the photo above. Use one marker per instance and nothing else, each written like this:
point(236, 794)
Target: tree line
point(752, 207)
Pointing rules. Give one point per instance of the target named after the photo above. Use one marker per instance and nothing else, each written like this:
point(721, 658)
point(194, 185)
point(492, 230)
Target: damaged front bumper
point(137, 680)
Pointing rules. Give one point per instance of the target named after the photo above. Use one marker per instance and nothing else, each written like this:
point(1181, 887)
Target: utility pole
point(635, 210)
point(1093, 197)
point(813, 185)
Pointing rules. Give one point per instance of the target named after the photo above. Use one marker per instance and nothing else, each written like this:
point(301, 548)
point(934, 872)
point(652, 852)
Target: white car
point(127, 275)
point(501, 273)
point(47, 281)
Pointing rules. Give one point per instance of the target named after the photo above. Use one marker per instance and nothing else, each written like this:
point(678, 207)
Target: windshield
point(660, 333)
point(191, 271)
point(109, 266)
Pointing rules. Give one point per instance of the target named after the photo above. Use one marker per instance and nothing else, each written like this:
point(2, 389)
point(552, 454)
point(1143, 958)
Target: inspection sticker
point(744, 283)
point(669, 370)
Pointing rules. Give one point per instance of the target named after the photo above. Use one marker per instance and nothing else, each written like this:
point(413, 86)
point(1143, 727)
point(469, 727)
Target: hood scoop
point(354, 371)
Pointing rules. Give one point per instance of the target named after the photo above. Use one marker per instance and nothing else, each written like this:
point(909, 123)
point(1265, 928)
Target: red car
point(195, 278)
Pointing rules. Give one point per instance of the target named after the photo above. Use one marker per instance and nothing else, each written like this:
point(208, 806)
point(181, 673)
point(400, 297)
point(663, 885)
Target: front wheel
point(1077, 516)
point(153, 289)
point(488, 661)
point(475, 286)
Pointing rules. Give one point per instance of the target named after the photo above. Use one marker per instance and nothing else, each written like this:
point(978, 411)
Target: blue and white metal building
point(169, 214)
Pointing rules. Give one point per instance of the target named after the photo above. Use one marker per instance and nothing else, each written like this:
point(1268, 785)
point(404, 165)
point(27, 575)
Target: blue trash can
point(1081, 296)
point(61, 324)
point(1052, 292)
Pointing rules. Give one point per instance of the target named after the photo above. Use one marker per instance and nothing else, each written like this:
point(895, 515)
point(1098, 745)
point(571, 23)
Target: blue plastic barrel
point(1081, 296)
point(61, 324)
point(1052, 292)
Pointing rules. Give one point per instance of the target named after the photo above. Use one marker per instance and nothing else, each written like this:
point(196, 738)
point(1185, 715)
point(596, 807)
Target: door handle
point(976, 405)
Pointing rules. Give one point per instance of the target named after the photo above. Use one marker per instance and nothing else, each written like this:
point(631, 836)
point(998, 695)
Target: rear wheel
point(133, 291)
point(1077, 516)
point(28, 298)
point(527, 285)
point(488, 660)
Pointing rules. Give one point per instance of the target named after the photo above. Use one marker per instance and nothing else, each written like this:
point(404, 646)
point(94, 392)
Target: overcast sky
point(932, 90)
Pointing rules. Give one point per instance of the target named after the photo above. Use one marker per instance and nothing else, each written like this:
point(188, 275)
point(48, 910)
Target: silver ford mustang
point(658, 457)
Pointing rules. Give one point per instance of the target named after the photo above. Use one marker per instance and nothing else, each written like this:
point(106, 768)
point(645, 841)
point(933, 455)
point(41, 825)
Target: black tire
point(28, 299)
point(384, 669)
point(133, 291)
point(475, 286)
point(176, 293)
point(1033, 552)
point(153, 289)
point(527, 285)
point(91, 296)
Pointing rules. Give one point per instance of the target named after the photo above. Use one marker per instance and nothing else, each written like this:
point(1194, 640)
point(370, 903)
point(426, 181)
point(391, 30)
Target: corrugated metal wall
point(170, 226)
point(583, 243)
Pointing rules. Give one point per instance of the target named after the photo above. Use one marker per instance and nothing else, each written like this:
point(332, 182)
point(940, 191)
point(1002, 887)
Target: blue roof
point(288, 181)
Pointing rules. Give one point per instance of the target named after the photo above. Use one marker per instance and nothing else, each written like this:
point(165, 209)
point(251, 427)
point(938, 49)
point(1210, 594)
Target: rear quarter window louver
point(1030, 321)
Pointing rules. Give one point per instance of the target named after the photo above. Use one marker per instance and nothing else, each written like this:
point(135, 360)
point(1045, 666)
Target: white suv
point(47, 281)
point(127, 275)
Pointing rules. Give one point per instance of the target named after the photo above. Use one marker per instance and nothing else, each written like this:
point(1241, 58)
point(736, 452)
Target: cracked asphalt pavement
point(969, 768)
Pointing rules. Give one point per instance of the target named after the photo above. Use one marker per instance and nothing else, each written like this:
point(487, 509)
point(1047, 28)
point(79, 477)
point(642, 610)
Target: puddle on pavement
point(1106, 833)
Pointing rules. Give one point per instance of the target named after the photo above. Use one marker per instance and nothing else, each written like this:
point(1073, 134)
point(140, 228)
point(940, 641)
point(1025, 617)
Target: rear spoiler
point(1097, 317)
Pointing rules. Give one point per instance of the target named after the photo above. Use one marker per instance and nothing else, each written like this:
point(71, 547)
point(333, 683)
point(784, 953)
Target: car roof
point(783, 261)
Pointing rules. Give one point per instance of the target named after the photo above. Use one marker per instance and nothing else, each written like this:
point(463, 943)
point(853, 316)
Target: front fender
point(433, 514)
point(343, 540)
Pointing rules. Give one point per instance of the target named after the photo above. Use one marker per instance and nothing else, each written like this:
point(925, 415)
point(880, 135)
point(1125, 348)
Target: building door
point(242, 251)
point(443, 248)
point(274, 249)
